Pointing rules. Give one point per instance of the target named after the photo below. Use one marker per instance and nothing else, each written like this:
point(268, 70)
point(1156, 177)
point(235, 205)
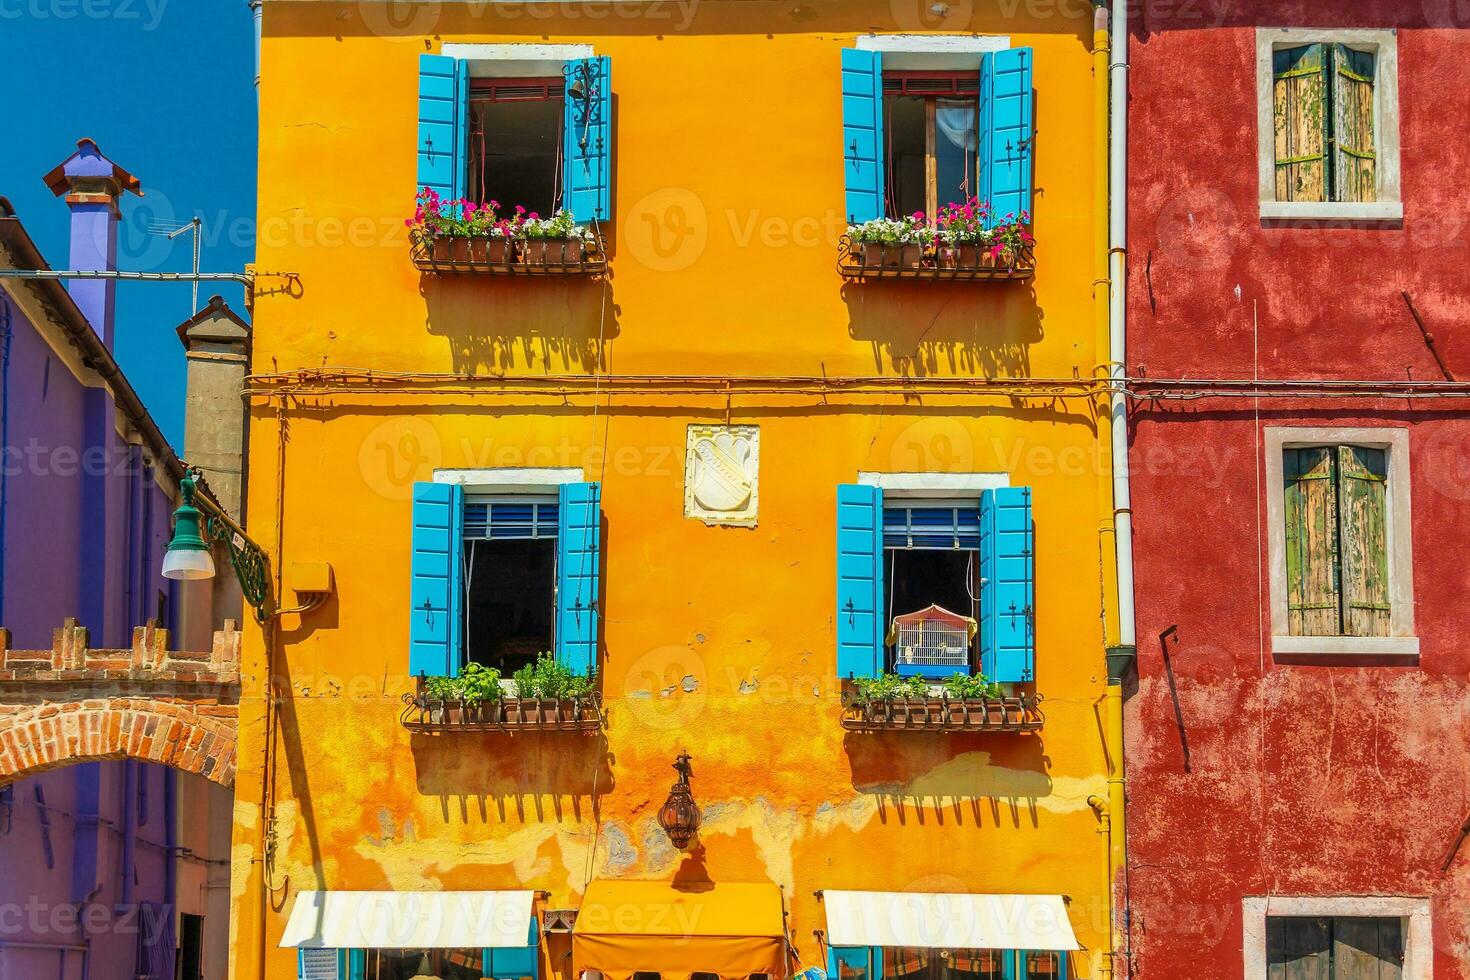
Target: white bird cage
point(932, 638)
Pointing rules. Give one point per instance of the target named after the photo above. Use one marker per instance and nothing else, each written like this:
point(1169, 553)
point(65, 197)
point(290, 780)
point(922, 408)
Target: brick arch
point(52, 735)
point(73, 704)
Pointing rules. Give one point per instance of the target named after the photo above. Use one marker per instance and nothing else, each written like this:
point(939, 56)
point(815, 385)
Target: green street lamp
point(198, 521)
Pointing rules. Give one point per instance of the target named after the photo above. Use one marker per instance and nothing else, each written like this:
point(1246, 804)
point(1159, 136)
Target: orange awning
point(731, 930)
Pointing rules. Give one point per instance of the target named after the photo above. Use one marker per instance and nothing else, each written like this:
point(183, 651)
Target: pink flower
point(520, 210)
point(533, 216)
point(495, 205)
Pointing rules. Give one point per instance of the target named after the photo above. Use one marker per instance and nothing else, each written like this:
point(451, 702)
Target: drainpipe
point(1120, 655)
point(129, 829)
point(255, 14)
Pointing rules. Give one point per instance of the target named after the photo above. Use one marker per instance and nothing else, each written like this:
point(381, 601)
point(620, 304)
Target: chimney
point(217, 351)
point(92, 185)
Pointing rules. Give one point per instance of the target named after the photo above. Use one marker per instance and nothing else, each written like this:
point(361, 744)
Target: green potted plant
point(440, 697)
point(480, 693)
point(962, 234)
point(548, 692)
point(893, 698)
point(557, 240)
point(975, 698)
point(889, 243)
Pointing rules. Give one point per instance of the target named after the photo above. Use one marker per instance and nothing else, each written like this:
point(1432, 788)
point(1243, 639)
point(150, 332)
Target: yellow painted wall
point(728, 202)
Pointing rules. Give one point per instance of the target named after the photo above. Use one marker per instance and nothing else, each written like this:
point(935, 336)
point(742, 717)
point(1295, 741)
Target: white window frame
point(932, 52)
point(516, 60)
point(1383, 45)
point(503, 480)
point(1418, 935)
point(1400, 640)
point(934, 486)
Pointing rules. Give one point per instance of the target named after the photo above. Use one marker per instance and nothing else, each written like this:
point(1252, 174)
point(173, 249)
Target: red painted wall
point(1249, 775)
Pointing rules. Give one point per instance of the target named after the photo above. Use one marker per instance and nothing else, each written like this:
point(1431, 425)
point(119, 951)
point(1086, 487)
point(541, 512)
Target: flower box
point(941, 714)
point(425, 714)
point(551, 251)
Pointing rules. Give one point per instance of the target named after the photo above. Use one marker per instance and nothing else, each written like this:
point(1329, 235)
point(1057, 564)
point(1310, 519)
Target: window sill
point(942, 714)
point(861, 261)
point(1352, 646)
point(1386, 211)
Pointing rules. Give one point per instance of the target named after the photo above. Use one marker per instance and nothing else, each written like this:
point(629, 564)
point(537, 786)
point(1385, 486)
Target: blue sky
point(167, 89)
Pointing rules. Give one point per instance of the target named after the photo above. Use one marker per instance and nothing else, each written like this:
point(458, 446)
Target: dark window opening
point(919, 579)
point(191, 947)
point(930, 130)
point(510, 601)
point(404, 964)
point(515, 143)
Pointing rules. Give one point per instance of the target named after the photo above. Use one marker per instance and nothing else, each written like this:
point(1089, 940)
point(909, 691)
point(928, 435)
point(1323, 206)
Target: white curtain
point(956, 120)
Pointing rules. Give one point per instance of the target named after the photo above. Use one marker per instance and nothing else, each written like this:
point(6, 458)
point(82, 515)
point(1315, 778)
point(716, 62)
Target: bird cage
point(932, 642)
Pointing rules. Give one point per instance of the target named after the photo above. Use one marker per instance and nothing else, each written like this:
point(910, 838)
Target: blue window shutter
point(850, 962)
point(356, 964)
point(317, 963)
point(435, 621)
point(578, 575)
point(513, 963)
point(859, 580)
point(1006, 132)
point(587, 142)
point(443, 140)
point(862, 133)
point(1008, 593)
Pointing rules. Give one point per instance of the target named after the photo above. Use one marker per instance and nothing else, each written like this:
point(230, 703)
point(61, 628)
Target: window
point(933, 559)
point(503, 570)
point(1300, 947)
point(1336, 938)
point(930, 122)
point(509, 580)
point(933, 121)
point(515, 142)
point(974, 559)
point(1328, 119)
point(1339, 519)
point(912, 963)
point(525, 125)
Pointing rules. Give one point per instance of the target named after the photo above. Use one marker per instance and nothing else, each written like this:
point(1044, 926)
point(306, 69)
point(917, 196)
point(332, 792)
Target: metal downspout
point(1120, 656)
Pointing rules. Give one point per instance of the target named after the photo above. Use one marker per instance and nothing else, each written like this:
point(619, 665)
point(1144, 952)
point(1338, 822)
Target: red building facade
point(1298, 744)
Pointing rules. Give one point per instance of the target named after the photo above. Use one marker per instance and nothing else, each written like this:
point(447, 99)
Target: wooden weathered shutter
point(1008, 586)
point(587, 140)
point(514, 962)
point(436, 597)
point(1368, 948)
point(1007, 132)
point(1362, 501)
point(1299, 96)
point(443, 131)
point(862, 134)
point(1313, 592)
point(1354, 158)
point(853, 962)
point(578, 575)
point(859, 580)
point(1298, 948)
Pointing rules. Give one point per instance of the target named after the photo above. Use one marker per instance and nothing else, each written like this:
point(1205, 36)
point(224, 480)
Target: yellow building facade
point(721, 334)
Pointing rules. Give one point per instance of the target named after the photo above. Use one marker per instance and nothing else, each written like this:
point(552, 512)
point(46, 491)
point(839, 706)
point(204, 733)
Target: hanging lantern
point(679, 816)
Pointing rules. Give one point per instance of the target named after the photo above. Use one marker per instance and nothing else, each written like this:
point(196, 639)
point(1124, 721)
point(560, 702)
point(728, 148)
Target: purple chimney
point(92, 185)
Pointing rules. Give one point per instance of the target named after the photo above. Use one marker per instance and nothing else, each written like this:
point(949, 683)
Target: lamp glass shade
point(187, 564)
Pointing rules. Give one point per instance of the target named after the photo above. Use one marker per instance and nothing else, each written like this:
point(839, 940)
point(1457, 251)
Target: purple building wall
point(84, 521)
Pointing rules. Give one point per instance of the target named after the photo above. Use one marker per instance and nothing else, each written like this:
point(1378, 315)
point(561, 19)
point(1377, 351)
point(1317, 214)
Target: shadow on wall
point(963, 778)
point(922, 329)
point(493, 324)
point(531, 776)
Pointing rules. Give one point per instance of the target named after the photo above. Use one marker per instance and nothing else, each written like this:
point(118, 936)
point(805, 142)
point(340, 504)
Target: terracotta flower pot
point(552, 251)
point(911, 256)
point(490, 251)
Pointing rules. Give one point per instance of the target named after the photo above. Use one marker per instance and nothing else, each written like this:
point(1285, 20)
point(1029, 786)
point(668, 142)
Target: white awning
point(409, 920)
point(952, 921)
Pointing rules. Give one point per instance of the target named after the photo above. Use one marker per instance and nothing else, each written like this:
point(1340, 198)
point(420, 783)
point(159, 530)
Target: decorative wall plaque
point(721, 465)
